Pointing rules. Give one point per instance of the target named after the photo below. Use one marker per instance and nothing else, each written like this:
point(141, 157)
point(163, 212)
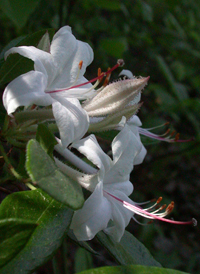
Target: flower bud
point(115, 96)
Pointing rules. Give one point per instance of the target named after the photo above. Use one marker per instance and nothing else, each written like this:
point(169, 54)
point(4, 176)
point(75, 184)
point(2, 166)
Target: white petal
point(43, 61)
point(80, 93)
point(117, 230)
point(89, 182)
point(135, 120)
point(127, 73)
point(120, 215)
point(140, 157)
point(25, 90)
point(125, 148)
point(134, 123)
point(93, 217)
point(72, 120)
point(126, 187)
point(67, 52)
point(75, 160)
point(91, 149)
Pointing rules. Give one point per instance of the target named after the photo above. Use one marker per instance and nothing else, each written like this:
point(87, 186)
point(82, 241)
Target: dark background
point(160, 39)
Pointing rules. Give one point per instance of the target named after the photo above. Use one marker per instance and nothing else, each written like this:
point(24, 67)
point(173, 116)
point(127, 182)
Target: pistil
point(100, 76)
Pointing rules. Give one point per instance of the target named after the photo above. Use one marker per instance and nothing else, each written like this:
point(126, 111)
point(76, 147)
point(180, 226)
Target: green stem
point(11, 168)
point(27, 115)
point(30, 186)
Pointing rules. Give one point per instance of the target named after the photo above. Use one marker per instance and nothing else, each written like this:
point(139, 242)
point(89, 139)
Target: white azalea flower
point(113, 178)
point(110, 187)
point(55, 72)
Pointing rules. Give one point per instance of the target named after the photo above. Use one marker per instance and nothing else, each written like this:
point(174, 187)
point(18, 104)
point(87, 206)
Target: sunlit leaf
point(53, 220)
point(131, 269)
point(47, 176)
point(128, 251)
point(45, 138)
point(14, 234)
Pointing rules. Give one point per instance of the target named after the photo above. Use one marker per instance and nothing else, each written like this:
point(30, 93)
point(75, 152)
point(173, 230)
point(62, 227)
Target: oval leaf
point(136, 269)
point(46, 139)
point(53, 219)
point(14, 234)
point(128, 251)
point(46, 175)
point(82, 260)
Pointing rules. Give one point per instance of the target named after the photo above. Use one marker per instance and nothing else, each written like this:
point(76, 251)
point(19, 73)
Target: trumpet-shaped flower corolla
point(110, 187)
point(59, 69)
point(112, 177)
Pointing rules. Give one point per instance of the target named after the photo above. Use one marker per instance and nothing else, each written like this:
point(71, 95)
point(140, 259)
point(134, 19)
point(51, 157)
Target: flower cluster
point(80, 107)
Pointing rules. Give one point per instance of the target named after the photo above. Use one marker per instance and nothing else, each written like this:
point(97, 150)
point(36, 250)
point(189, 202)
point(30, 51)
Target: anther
point(170, 207)
point(159, 200)
point(80, 64)
point(99, 72)
point(107, 79)
point(162, 207)
point(99, 77)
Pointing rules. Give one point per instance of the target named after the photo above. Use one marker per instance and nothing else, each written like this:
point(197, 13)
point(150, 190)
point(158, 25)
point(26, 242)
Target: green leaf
point(53, 219)
point(83, 260)
point(18, 10)
point(45, 174)
point(16, 64)
point(14, 234)
point(131, 269)
point(46, 139)
point(128, 251)
point(114, 46)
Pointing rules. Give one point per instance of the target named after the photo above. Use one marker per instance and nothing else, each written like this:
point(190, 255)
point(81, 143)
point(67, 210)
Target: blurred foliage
point(160, 39)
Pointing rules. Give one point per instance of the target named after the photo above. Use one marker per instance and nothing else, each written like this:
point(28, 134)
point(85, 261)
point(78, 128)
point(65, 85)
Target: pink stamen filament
point(149, 134)
point(144, 213)
point(99, 77)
